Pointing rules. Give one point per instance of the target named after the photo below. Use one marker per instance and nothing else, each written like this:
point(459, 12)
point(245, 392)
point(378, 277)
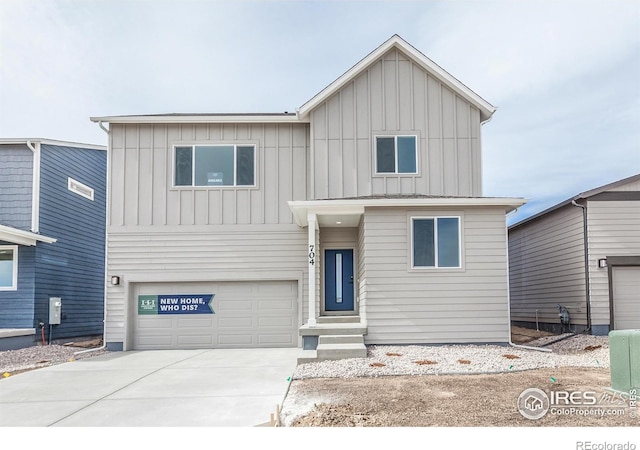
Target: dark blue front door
point(338, 280)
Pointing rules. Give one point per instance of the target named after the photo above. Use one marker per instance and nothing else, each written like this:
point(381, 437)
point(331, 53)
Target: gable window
point(8, 268)
point(435, 242)
point(396, 154)
point(214, 165)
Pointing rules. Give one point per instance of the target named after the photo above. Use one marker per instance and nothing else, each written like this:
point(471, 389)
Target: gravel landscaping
point(37, 356)
point(384, 360)
point(452, 385)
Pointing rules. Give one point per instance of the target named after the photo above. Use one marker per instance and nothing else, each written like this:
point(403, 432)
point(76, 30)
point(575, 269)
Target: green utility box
point(624, 355)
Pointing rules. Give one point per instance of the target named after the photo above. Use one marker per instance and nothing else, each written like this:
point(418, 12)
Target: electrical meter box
point(55, 310)
point(624, 354)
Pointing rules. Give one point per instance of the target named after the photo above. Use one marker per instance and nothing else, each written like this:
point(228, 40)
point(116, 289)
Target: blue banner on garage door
point(175, 304)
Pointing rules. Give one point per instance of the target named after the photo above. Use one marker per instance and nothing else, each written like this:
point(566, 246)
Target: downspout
point(35, 191)
point(586, 277)
point(511, 343)
point(586, 263)
point(104, 300)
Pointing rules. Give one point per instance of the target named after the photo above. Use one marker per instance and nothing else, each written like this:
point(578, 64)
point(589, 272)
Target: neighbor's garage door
point(626, 298)
point(245, 314)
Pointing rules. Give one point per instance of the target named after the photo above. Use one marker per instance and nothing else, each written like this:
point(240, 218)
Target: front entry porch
point(333, 337)
point(334, 328)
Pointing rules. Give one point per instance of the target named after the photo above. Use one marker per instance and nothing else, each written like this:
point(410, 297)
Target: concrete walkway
point(187, 388)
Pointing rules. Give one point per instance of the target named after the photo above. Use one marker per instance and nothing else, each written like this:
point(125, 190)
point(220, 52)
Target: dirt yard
point(445, 401)
point(458, 400)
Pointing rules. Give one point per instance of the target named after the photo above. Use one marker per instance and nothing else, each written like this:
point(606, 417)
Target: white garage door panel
point(247, 314)
point(626, 298)
point(199, 340)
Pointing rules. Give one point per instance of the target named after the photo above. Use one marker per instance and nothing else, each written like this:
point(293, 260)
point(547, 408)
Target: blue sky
point(565, 75)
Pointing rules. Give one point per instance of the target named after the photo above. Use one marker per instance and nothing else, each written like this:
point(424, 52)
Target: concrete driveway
point(191, 388)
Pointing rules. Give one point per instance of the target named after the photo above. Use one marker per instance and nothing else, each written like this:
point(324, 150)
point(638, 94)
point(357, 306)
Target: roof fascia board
point(427, 64)
point(357, 206)
point(583, 195)
point(15, 141)
point(21, 237)
point(606, 187)
point(200, 119)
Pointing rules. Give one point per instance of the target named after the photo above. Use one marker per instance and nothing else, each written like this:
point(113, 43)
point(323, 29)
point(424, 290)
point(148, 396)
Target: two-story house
point(357, 219)
point(52, 232)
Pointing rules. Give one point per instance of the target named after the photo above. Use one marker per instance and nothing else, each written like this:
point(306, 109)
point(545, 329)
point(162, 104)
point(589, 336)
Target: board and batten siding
point(16, 181)
point(546, 267)
point(405, 306)
point(614, 230)
point(633, 186)
point(157, 232)
point(141, 175)
point(395, 96)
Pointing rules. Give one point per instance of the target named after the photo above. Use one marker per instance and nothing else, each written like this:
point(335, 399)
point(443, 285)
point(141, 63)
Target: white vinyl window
point(435, 242)
point(80, 188)
point(396, 155)
point(214, 165)
point(8, 267)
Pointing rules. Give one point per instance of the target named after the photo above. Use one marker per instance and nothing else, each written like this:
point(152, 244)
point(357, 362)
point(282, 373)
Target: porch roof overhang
point(21, 237)
point(347, 212)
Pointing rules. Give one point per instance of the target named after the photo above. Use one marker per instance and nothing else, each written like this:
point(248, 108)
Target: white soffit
point(356, 207)
point(21, 237)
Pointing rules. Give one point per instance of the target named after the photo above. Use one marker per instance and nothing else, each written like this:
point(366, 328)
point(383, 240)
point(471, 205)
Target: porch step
point(308, 356)
point(339, 319)
point(322, 329)
point(341, 339)
point(340, 351)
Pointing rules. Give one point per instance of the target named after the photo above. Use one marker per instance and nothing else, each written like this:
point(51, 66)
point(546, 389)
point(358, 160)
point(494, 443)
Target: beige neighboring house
point(582, 254)
point(357, 219)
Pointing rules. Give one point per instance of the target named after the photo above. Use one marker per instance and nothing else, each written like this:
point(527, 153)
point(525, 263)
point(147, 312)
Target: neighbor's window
point(396, 154)
point(436, 242)
point(214, 165)
point(8, 268)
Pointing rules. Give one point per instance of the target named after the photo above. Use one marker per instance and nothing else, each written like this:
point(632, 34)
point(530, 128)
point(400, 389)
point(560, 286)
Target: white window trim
point(395, 149)
point(76, 187)
point(435, 239)
point(235, 146)
point(14, 285)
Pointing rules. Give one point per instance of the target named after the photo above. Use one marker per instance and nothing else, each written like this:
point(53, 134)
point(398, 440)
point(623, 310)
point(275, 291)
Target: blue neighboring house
point(52, 240)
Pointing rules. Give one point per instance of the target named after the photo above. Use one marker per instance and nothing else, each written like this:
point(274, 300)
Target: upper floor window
point(214, 165)
point(396, 154)
point(435, 242)
point(8, 267)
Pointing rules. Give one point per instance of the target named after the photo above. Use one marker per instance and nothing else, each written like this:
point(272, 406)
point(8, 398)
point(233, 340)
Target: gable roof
point(580, 196)
point(395, 41)
point(302, 113)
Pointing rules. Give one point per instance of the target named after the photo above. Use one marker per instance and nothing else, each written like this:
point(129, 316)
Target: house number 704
point(312, 255)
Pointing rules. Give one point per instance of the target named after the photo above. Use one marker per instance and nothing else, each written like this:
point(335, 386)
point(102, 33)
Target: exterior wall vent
point(80, 188)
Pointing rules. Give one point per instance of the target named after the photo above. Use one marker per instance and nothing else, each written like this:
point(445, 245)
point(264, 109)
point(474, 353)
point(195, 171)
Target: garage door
point(215, 315)
point(626, 298)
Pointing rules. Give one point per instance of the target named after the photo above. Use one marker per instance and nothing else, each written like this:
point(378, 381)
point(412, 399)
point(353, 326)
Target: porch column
point(312, 220)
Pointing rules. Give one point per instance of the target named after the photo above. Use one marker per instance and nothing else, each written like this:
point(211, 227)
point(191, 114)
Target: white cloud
point(563, 73)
